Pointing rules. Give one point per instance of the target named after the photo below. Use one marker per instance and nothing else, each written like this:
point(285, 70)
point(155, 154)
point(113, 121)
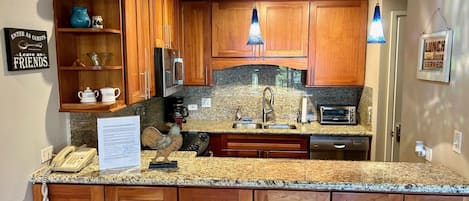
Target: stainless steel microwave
point(169, 71)
point(338, 115)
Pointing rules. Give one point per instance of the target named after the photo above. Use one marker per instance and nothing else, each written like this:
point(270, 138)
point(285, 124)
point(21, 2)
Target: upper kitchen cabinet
point(165, 18)
point(284, 28)
point(196, 42)
point(76, 70)
point(139, 50)
point(337, 43)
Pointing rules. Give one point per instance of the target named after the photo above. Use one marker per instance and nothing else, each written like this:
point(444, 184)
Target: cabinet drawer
point(262, 145)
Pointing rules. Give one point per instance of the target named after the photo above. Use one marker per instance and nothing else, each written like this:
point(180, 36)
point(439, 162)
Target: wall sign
point(435, 56)
point(26, 49)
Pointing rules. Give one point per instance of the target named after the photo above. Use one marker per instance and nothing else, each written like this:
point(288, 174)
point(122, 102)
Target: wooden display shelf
point(88, 30)
point(90, 68)
point(92, 107)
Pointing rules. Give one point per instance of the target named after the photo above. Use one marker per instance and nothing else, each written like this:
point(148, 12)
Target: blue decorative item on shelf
point(80, 18)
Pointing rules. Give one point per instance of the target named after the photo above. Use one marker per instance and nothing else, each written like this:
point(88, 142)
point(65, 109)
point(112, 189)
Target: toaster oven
point(338, 115)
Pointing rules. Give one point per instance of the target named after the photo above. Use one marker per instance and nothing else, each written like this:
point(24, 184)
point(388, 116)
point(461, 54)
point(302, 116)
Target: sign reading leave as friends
point(26, 49)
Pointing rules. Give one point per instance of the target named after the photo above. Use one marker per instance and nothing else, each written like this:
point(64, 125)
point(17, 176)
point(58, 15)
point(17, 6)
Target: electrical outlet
point(457, 141)
point(206, 102)
point(192, 107)
point(46, 153)
point(428, 153)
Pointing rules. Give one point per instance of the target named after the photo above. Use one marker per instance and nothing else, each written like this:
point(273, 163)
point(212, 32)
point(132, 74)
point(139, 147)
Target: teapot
point(88, 96)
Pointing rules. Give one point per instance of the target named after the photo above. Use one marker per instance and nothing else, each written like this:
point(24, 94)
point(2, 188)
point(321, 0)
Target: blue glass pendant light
point(255, 37)
point(376, 34)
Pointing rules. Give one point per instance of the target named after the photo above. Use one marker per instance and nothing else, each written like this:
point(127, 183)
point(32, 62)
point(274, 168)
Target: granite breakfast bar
point(278, 174)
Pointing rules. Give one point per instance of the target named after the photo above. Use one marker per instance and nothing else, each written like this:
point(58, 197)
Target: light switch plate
point(206, 102)
point(46, 153)
point(192, 107)
point(457, 141)
point(428, 153)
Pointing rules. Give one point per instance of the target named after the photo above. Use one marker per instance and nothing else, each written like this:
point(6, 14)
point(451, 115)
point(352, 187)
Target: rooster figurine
point(164, 144)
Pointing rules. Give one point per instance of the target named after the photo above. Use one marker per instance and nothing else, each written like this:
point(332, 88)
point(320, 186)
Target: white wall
point(432, 110)
point(377, 61)
point(29, 117)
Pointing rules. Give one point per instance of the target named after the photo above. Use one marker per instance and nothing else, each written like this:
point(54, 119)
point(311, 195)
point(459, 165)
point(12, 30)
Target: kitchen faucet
point(269, 102)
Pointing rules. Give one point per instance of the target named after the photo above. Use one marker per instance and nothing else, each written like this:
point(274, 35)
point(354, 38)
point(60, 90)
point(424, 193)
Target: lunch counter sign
point(26, 49)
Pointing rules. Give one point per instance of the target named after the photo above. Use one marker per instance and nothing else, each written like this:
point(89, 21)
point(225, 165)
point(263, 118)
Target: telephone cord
point(44, 189)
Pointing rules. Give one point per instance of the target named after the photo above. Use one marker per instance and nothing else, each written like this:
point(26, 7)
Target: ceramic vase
point(80, 18)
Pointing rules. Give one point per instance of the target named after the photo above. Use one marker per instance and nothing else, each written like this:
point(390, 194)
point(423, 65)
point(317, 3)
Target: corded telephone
point(72, 159)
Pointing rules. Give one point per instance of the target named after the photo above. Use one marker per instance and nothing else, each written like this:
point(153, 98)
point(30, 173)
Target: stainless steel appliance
point(340, 115)
point(339, 147)
point(169, 71)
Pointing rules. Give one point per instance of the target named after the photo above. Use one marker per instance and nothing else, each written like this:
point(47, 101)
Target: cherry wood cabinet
point(196, 39)
point(214, 194)
point(283, 195)
point(67, 192)
point(75, 43)
point(346, 196)
point(435, 198)
point(284, 27)
point(139, 50)
point(337, 43)
point(164, 22)
point(139, 193)
point(259, 146)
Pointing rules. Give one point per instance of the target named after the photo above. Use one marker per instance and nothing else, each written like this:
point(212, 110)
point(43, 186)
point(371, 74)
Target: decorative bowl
point(99, 58)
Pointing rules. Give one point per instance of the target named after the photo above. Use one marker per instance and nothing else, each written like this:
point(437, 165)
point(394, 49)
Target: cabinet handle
point(206, 74)
point(169, 35)
point(144, 83)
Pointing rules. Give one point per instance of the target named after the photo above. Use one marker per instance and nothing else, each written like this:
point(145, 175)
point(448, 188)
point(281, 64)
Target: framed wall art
point(435, 56)
point(26, 49)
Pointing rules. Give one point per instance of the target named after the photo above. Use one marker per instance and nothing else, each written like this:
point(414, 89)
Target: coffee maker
point(175, 109)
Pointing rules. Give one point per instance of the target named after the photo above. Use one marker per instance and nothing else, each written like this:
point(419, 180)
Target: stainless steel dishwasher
point(330, 147)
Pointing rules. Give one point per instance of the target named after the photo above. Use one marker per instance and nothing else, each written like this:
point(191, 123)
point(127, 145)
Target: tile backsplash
point(243, 87)
point(235, 87)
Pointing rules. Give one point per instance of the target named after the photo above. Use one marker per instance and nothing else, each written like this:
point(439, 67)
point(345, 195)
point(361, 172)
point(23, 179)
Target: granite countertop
point(278, 174)
point(225, 126)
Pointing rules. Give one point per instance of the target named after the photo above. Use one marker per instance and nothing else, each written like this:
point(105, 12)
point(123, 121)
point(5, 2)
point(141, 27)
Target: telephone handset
point(72, 159)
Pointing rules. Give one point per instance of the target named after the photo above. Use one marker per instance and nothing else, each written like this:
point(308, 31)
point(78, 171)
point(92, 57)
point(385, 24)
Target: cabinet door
point(366, 197)
point(67, 192)
point(230, 28)
point(170, 19)
point(435, 198)
point(259, 146)
point(337, 43)
point(280, 195)
point(208, 194)
point(158, 24)
point(139, 193)
point(139, 60)
point(196, 42)
point(284, 28)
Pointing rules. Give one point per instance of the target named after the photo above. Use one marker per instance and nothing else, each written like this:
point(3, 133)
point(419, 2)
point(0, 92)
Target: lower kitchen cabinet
point(67, 192)
point(434, 198)
point(259, 146)
point(339, 196)
point(139, 193)
point(214, 194)
point(281, 195)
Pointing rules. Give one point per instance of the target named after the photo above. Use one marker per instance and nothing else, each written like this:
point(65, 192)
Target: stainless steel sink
point(247, 125)
point(265, 126)
point(280, 126)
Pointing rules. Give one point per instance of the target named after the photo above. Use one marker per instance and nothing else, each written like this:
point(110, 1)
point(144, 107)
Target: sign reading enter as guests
point(26, 49)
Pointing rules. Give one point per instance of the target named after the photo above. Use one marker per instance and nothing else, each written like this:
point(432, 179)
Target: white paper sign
point(119, 142)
